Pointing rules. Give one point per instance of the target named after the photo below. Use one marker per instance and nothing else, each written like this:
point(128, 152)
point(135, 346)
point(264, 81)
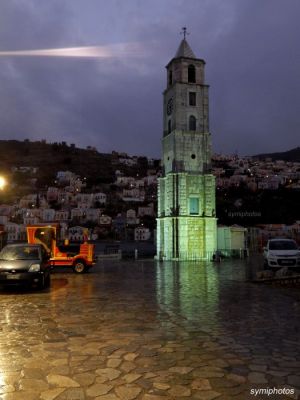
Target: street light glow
point(2, 182)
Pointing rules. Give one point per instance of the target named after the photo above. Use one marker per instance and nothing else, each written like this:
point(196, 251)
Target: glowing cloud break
point(111, 51)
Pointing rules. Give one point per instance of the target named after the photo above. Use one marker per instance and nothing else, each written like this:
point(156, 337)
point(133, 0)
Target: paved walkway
point(150, 331)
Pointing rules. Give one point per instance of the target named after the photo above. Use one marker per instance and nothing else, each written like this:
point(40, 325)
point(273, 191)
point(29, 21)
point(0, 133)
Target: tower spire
point(184, 32)
point(184, 49)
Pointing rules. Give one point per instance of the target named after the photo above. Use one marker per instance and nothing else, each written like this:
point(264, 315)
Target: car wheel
point(42, 283)
point(47, 281)
point(266, 265)
point(79, 267)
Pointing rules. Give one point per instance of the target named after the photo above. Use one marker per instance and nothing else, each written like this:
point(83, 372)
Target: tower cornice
point(185, 58)
point(185, 83)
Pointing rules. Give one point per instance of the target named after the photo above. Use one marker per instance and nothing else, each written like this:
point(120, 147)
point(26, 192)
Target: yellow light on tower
point(2, 182)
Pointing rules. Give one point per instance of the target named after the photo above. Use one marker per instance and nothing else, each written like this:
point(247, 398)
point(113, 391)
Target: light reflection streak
point(191, 290)
point(110, 51)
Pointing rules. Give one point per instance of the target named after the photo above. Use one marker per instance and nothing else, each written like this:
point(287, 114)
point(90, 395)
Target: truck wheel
point(79, 267)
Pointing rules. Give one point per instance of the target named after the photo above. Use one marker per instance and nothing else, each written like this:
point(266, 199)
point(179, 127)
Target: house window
point(192, 98)
point(191, 74)
point(169, 126)
point(192, 123)
point(194, 205)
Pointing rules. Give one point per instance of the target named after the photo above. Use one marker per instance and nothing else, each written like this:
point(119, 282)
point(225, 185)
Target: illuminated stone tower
point(186, 223)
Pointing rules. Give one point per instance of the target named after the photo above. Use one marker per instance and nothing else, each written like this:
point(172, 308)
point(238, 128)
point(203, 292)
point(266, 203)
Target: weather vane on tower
point(184, 32)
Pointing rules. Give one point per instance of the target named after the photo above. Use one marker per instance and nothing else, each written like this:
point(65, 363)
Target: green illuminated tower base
point(186, 224)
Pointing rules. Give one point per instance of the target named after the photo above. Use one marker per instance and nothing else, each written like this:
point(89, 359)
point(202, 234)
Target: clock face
point(170, 106)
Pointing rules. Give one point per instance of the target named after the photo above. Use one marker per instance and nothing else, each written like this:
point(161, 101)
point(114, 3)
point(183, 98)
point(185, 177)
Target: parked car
point(281, 253)
point(24, 264)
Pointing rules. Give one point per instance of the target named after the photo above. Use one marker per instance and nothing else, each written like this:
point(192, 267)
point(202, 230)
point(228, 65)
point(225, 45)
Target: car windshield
point(19, 253)
point(283, 245)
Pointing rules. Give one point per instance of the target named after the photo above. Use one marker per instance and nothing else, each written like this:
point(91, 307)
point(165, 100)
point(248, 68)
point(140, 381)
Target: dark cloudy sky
point(252, 54)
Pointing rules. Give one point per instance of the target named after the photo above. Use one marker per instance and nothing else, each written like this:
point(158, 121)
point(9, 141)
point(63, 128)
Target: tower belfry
point(186, 223)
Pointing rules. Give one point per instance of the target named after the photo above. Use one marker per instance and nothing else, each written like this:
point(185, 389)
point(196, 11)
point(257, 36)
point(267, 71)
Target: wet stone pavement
point(150, 331)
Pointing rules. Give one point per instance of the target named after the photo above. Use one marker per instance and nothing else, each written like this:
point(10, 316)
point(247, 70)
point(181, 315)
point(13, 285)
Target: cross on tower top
point(184, 32)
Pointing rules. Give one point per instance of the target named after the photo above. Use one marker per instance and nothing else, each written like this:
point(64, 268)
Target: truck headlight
point(35, 268)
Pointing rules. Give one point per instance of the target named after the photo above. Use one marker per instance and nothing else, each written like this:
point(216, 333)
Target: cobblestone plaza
point(150, 331)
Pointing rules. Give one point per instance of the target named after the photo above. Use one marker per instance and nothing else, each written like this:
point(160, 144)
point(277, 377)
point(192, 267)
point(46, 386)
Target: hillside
point(290, 155)
point(52, 157)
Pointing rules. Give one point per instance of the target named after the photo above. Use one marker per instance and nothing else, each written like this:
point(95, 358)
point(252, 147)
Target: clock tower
point(186, 223)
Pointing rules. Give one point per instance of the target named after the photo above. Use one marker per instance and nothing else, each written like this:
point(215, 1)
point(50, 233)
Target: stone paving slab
point(149, 331)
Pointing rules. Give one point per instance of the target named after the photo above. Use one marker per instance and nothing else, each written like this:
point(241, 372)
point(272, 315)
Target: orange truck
point(79, 257)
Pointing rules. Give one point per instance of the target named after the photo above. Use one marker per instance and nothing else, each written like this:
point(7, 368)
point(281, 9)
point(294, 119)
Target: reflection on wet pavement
point(151, 331)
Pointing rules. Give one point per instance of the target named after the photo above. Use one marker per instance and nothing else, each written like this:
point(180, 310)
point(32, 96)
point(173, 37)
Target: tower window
point(192, 98)
point(191, 74)
point(170, 77)
point(194, 205)
point(169, 126)
point(192, 123)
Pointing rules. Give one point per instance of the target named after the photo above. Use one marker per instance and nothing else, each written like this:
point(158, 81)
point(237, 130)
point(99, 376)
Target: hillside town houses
point(68, 202)
point(256, 174)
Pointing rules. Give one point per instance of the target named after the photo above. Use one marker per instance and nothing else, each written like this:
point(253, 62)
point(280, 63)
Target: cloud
point(251, 49)
point(253, 71)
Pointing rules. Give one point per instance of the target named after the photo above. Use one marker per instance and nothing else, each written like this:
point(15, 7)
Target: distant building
point(52, 193)
point(150, 180)
point(31, 220)
point(119, 223)
point(76, 213)
point(146, 211)
point(30, 170)
point(15, 232)
point(142, 233)
point(3, 219)
point(48, 215)
point(133, 195)
point(92, 214)
point(76, 233)
point(61, 215)
point(65, 176)
point(99, 198)
point(124, 181)
point(105, 220)
point(131, 218)
point(84, 200)
point(28, 201)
